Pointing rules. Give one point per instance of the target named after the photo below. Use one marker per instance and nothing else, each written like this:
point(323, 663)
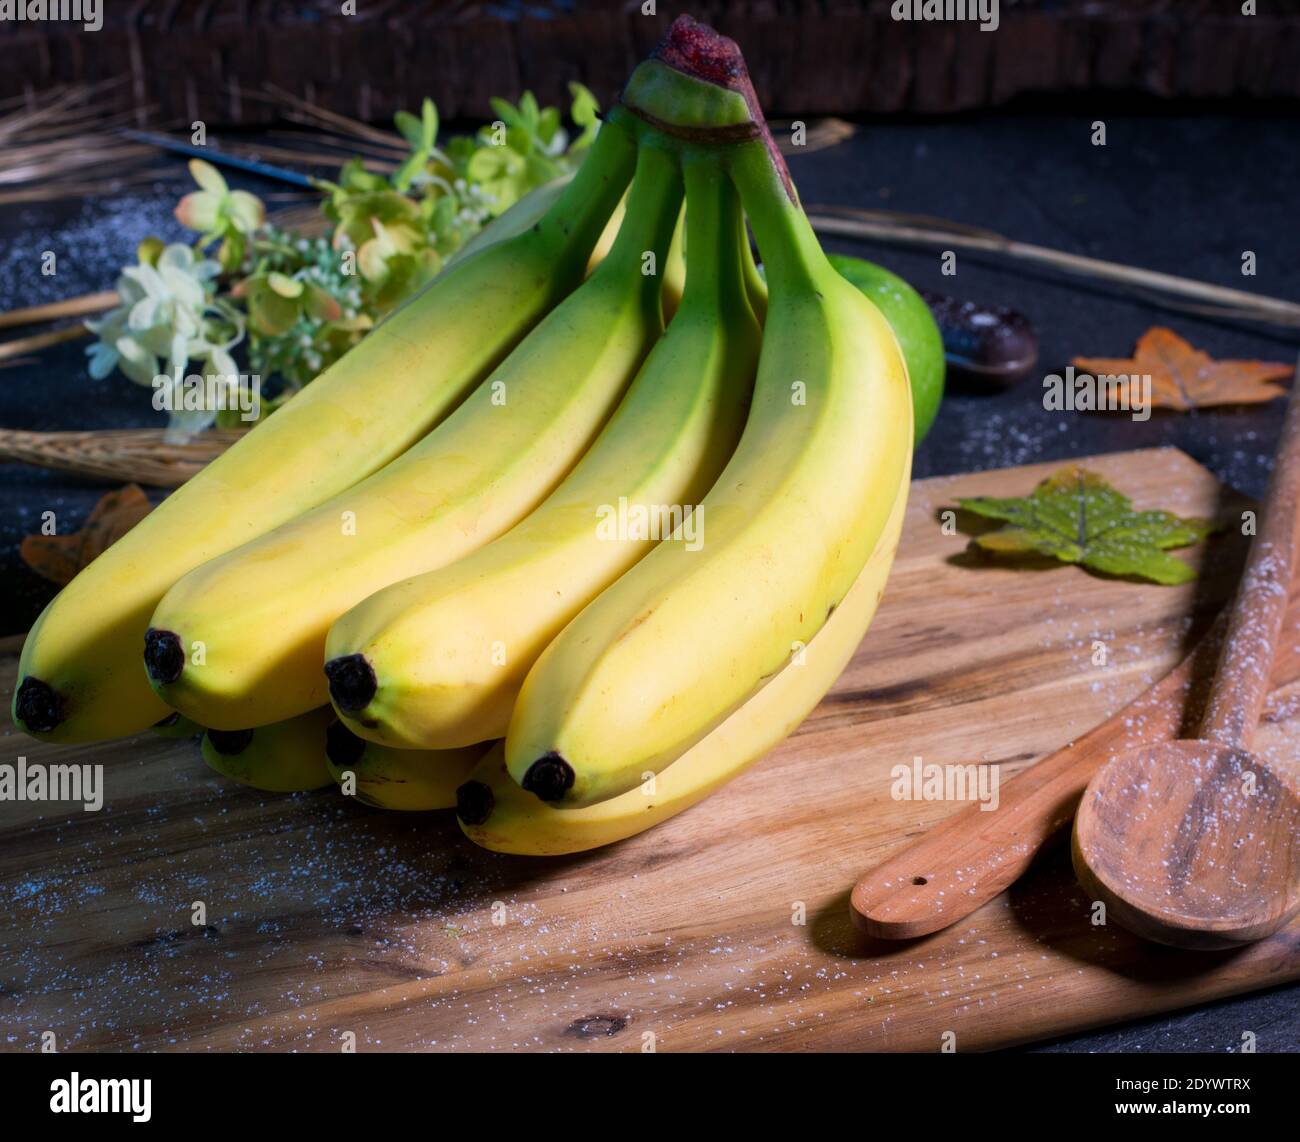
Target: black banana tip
point(474, 802)
point(549, 778)
point(352, 682)
point(342, 746)
point(164, 656)
point(38, 705)
point(228, 743)
point(170, 720)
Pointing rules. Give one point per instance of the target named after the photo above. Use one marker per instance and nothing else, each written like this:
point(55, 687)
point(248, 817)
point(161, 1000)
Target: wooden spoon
point(971, 856)
point(1197, 843)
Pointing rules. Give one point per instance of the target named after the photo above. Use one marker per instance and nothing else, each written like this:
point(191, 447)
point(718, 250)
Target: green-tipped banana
point(674, 271)
point(687, 637)
point(80, 677)
point(525, 213)
point(287, 757)
point(176, 726)
point(448, 650)
point(755, 286)
point(410, 780)
point(241, 640)
point(496, 813)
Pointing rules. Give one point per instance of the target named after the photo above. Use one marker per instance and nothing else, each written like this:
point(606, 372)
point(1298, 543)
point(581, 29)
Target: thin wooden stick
point(864, 224)
point(347, 145)
point(54, 310)
point(41, 341)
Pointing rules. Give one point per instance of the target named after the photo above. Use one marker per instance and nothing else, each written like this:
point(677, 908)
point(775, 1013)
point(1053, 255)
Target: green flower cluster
point(297, 303)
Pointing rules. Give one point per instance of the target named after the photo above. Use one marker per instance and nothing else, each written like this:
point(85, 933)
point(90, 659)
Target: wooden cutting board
point(325, 917)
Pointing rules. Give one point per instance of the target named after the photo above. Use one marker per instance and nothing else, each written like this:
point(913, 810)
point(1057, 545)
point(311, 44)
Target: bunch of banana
point(436, 661)
point(259, 614)
point(639, 553)
point(685, 638)
point(497, 814)
point(79, 675)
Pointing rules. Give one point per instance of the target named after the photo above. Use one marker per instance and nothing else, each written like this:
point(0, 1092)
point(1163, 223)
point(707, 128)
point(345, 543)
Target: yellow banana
point(448, 650)
point(411, 780)
point(496, 813)
point(240, 641)
point(80, 674)
point(287, 757)
point(686, 637)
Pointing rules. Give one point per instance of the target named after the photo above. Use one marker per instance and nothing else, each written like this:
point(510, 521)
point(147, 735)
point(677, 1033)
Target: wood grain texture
point(178, 60)
point(1191, 843)
point(948, 872)
point(1259, 605)
point(1196, 843)
point(971, 856)
point(325, 916)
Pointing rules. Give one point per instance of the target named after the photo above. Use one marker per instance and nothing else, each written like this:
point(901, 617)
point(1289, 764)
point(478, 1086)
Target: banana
point(411, 780)
point(528, 211)
point(175, 726)
point(240, 641)
point(80, 676)
point(532, 206)
point(909, 317)
point(674, 273)
point(287, 757)
point(686, 637)
point(497, 814)
point(448, 650)
point(915, 327)
point(755, 286)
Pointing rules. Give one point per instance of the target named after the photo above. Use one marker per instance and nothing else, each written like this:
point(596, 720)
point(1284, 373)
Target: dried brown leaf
point(59, 557)
point(1184, 378)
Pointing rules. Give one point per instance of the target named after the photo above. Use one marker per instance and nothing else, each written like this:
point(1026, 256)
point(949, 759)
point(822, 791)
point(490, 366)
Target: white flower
point(167, 318)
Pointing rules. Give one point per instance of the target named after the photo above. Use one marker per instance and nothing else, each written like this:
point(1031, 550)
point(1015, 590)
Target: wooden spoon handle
point(965, 861)
point(1241, 681)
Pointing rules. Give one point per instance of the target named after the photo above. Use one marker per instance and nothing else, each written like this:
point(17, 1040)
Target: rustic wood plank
point(325, 916)
point(837, 57)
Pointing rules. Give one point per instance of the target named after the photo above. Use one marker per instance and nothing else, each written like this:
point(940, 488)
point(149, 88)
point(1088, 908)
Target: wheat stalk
point(1202, 298)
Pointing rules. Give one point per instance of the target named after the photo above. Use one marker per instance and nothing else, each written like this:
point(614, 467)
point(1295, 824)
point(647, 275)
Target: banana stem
point(755, 286)
point(792, 256)
point(714, 225)
point(694, 94)
point(592, 193)
point(653, 205)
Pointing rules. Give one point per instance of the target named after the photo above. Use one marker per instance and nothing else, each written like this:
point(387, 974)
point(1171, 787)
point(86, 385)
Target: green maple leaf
point(1076, 517)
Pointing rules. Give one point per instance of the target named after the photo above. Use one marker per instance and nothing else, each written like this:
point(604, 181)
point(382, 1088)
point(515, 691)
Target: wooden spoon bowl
point(1191, 843)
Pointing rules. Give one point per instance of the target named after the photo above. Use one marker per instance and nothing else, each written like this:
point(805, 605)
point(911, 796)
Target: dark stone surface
point(1184, 195)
